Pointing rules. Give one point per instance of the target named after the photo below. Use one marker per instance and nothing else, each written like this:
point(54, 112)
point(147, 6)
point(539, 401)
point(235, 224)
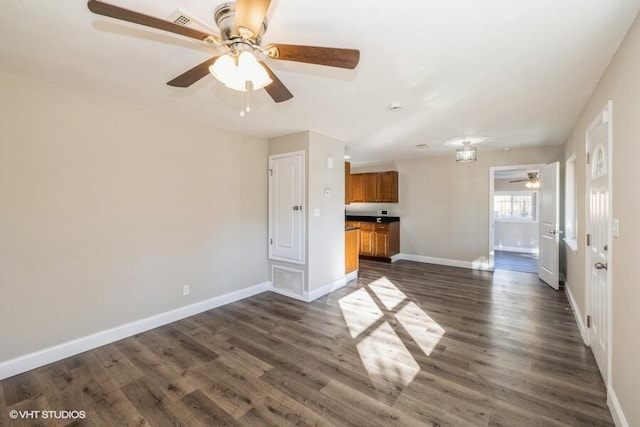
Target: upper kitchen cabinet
point(376, 187)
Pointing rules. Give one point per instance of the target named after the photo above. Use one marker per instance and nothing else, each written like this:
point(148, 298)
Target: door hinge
point(588, 239)
point(270, 172)
point(588, 157)
point(271, 241)
point(588, 321)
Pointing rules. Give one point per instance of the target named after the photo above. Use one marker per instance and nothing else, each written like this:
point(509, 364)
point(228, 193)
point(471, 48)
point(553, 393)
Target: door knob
point(295, 208)
point(553, 232)
point(600, 266)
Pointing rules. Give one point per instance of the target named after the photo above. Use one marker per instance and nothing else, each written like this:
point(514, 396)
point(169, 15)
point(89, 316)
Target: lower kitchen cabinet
point(351, 250)
point(378, 240)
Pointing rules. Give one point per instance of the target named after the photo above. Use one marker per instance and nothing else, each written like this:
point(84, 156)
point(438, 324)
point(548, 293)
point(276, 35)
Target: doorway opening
point(514, 218)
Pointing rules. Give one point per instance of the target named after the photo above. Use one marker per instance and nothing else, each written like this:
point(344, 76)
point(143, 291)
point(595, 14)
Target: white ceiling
point(517, 72)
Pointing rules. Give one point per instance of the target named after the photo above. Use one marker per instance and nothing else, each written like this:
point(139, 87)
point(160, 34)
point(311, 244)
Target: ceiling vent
point(181, 18)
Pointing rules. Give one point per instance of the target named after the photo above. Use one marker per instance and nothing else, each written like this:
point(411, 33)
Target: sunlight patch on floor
point(388, 293)
point(360, 311)
point(385, 357)
point(423, 329)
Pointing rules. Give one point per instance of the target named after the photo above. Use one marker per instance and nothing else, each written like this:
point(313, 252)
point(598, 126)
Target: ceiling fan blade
point(276, 89)
point(330, 56)
point(250, 15)
point(188, 78)
point(520, 180)
point(123, 14)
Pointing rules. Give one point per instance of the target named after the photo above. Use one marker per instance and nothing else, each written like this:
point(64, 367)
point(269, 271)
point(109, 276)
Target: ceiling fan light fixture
point(251, 70)
point(466, 153)
point(236, 73)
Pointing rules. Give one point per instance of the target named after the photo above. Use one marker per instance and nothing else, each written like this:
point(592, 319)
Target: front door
point(549, 242)
point(598, 236)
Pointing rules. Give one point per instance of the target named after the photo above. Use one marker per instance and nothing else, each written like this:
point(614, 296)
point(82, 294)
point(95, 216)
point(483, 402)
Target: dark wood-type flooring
point(407, 344)
point(516, 261)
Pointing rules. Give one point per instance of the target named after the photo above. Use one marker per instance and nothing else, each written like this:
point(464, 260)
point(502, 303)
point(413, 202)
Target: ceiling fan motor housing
point(225, 18)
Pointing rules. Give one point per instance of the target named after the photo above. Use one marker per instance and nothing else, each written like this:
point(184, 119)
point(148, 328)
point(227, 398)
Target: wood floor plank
point(405, 344)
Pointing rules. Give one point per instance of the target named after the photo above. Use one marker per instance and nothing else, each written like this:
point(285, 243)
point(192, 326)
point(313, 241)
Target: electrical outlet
point(185, 290)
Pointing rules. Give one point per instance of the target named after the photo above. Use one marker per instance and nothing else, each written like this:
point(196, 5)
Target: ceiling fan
point(242, 25)
point(532, 179)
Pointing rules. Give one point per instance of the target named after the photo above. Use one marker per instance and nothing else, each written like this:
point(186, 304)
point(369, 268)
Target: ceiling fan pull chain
point(248, 89)
point(242, 103)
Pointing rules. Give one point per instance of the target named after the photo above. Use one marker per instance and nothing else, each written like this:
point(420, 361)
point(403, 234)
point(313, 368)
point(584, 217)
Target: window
point(515, 206)
point(570, 203)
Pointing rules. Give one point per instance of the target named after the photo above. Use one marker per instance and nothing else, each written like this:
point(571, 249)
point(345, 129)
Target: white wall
point(107, 209)
point(621, 84)
point(444, 205)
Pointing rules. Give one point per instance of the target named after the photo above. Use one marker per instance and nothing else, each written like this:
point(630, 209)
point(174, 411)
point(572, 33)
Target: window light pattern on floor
point(374, 315)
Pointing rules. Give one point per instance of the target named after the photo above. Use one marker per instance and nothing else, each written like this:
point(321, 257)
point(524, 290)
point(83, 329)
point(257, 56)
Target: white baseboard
point(315, 294)
point(39, 358)
point(472, 265)
point(396, 257)
point(616, 410)
point(351, 276)
point(577, 314)
point(326, 289)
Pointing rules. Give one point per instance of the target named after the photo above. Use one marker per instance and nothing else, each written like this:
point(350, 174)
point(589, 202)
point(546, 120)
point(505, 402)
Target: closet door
point(286, 207)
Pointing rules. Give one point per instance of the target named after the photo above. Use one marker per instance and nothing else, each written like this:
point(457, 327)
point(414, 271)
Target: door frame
point(492, 171)
point(607, 109)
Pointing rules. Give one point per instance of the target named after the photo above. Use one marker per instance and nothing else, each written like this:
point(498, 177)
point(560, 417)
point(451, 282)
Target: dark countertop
point(350, 228)
point(373, 218)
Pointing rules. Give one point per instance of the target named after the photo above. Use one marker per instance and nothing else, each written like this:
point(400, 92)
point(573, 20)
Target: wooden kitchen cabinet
point(374, 187)
point(357, 188)
point(351, 250)
point(378, 240)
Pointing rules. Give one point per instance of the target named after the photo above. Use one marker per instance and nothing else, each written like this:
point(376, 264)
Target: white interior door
point(598, 235)
point(286, 201)
point(549, 239)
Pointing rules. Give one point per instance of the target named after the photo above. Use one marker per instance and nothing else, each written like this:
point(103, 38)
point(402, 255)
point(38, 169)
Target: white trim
point(616, 410)
point(471, 265)
point(351, 276)
point(45, 356)
point(315, 294)
point(396, 257)
point(577, 314)
point(516, 249)
point(290, 294)
point(326, 289)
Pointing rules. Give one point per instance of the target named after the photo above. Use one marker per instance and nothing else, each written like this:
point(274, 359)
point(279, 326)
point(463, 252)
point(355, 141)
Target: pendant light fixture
point(466, 153)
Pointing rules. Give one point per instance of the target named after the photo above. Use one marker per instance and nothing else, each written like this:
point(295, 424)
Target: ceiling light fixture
point(466, 153)
point(242, 72)
point(236, 71)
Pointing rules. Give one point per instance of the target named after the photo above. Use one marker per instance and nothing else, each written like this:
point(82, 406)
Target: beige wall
point(444, 205)
point(621, 84)
point(326, 213)
point(107, 209)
